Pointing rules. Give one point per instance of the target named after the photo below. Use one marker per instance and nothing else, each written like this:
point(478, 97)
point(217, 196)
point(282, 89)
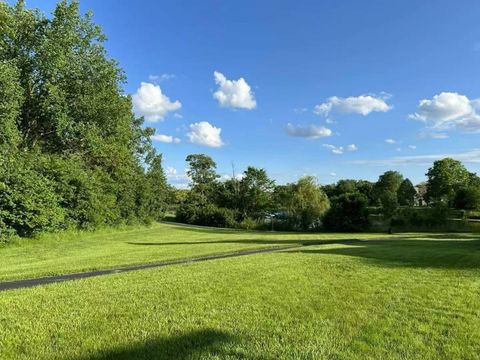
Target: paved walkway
point(18, 284)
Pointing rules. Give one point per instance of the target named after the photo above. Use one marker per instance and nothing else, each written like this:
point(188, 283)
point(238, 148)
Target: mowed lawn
point(72, 252)
point(412, 298)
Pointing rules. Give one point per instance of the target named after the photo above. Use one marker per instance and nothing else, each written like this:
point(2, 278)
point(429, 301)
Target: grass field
point(70, 252)
point(412, 298)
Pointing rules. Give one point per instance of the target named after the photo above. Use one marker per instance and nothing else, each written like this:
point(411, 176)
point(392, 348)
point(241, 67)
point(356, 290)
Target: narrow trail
point(27, 283)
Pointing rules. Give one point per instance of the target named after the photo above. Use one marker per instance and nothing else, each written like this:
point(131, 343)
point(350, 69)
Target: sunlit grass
point(72, 252)
point(386, 299)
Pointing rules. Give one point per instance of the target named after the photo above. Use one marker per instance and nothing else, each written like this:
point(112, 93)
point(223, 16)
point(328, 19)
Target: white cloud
point(233, 93)
point(163, 77)
point(178, 116)
point(363, 104)
point(472, 156)
point(448, 111)
point(176, 178)
point(333, 174)
point(309, 131)
point(412, 147)
point(166, 139)
point(149, 101)
point(338, 150)
point(203, 133)
point(390, 141)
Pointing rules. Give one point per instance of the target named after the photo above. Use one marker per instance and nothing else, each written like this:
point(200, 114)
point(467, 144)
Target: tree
point(388, 183)
point(348, 212)
point(406, 193)
point(158, 193)
point(445, 177)
point(308, 202)
point(66, 123)
point(203, 177)
point(389, 207)
point(11, 98)
point(256, 190)
point(467, 198)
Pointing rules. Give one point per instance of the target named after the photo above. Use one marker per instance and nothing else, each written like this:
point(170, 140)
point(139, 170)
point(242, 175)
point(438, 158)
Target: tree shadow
point(300, 242)
point(447, 254)
point(192, 345)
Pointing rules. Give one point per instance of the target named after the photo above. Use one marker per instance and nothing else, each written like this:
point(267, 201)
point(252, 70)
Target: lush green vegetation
point(404, 298)
point(61, 253)
point(72, 154)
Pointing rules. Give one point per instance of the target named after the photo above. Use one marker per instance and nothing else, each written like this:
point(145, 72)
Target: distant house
point(419, 199)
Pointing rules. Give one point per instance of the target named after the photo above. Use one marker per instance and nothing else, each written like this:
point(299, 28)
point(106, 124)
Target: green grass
point(412, 298)
point(71, 252)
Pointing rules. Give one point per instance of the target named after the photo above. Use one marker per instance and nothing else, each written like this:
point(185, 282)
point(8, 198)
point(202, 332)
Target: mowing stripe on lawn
point(26, 283)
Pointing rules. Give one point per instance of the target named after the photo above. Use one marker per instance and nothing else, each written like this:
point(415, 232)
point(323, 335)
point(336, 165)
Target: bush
point(248, 224)
point(28, 201)
point(206, 215)
point(434, 217)
point(348, 212)
point(467, 198)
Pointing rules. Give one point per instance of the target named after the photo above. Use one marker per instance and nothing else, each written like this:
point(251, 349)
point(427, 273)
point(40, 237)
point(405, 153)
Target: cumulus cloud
point(447, 111)
point(309, 131)
point(390, 141)
point(338, 150)
point(150, 102)
point(233, 93)
point(203, 133)
point(166, 139)
point(363, 104)
point(333, 174)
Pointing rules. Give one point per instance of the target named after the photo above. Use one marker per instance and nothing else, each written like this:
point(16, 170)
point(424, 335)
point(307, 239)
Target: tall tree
point(388, 182)
point(256, 190)
point(308, 202)
point(406, 193)
point(445, 177)
point(203, 175)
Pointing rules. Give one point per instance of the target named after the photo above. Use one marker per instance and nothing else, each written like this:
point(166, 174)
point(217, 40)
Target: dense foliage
point(72, 154)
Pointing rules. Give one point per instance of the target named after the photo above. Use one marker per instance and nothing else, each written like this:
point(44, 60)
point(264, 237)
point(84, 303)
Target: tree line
point(72, 153)
point(253, 200)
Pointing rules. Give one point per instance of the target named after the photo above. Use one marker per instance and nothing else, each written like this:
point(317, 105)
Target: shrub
point(207, 215)
point(348, 212)
point(28, 201)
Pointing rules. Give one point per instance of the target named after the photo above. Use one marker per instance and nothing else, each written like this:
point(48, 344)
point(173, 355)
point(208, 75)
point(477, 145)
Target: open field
point(66, 253)
point(412, 298)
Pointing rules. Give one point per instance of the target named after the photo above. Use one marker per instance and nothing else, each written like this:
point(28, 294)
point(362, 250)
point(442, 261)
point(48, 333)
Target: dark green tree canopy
point(406, 193)
point(445, 177)
point(67, 125)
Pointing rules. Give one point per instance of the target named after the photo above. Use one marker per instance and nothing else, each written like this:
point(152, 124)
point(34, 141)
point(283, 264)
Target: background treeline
point(72, 154)
point(253, 200)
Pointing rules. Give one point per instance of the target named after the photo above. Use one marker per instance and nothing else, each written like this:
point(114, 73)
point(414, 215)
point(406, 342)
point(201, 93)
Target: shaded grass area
point(74, 252)
point(382, 299)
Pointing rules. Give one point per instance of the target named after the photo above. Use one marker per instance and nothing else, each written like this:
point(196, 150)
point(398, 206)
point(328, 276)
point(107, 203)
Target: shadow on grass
point(447, 254)
point(193, 345)
point(251, 241)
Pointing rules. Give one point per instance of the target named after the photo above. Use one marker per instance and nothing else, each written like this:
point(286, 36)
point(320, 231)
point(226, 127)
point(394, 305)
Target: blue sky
point(366, 86)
